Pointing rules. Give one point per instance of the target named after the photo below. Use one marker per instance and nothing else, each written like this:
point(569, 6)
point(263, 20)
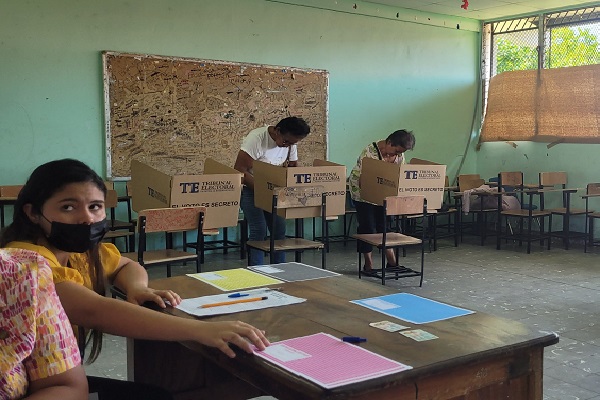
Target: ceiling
point(486, 9)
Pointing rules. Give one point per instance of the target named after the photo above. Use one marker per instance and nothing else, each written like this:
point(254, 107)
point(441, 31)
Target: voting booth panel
point(380, 179)
point(330, 175)
point(218, 189)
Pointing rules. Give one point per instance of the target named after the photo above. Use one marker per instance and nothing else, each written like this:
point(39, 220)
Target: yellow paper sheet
point(234, 279)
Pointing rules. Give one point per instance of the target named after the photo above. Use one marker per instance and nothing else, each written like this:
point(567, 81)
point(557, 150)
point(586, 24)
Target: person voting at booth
point(371, 216)
point(275, 145)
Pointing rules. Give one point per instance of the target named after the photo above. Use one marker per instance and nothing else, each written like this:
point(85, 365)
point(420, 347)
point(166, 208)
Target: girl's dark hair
point(44, 182)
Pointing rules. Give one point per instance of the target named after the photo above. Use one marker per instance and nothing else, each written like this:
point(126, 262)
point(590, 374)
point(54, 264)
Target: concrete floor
point(556, 290)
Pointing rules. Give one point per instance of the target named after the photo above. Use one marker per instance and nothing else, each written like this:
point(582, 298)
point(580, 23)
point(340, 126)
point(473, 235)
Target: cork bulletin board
point(172, 113)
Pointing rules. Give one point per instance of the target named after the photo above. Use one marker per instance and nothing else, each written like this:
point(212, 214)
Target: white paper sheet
point(275, 298)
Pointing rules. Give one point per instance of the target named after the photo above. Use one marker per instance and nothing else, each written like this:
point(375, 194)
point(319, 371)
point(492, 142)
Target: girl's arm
point(132, 278)
point(69, 385)
point(86, 308)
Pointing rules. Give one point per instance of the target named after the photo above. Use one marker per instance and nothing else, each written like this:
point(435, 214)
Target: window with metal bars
point(539, 62)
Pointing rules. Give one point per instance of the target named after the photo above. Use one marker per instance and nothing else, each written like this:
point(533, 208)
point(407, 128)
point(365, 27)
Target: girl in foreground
point(60, 214)
point(39, 358)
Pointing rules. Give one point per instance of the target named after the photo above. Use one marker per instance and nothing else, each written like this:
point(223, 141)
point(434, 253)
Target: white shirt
point(260, 146)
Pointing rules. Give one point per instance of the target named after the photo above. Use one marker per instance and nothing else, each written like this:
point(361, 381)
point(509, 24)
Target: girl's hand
point(241, 334)
point(142, 294)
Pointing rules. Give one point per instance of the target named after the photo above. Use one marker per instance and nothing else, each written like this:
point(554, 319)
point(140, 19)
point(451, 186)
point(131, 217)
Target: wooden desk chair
point(127, 199)
point(8, 196)
point(440, 224)
point(529, 213)
point(593, 190)
point(396, 206)
point(288, 198)
point(444, 229)
point(118, 228)
point(556, 182)
point(347, 218)
point(224, 243)
point(479, 223)
point(120, 224)
point(468, 181)
point(437, 228)
point(168, 221)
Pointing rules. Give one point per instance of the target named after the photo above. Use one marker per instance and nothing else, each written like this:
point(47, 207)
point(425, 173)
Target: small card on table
point(388, 326)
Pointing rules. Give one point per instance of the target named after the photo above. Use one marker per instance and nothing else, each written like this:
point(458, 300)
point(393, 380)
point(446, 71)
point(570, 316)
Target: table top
point(327, 309)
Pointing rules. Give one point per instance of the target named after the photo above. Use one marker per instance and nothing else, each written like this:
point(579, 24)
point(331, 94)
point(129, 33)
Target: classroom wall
point(384, 74)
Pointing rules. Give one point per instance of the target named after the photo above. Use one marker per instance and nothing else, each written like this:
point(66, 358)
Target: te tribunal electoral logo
point(210, 186)
point(317, 177)
point(424, 174)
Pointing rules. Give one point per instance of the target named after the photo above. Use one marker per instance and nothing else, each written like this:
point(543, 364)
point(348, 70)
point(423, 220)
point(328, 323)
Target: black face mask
point(76, 238)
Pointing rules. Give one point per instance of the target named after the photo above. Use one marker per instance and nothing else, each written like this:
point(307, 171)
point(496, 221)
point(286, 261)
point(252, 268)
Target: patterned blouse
point(36, 339)
point(369, 152)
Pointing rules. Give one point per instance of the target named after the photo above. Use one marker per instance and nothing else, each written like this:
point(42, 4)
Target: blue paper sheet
point(411, 308)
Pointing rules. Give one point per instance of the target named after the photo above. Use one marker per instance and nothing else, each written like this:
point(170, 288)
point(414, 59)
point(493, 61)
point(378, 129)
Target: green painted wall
point(384, 74)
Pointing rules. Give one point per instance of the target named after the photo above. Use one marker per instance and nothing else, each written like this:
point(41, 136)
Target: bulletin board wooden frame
point(172, 113)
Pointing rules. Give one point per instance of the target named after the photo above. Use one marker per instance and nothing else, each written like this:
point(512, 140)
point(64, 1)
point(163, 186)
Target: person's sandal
point(368, 272)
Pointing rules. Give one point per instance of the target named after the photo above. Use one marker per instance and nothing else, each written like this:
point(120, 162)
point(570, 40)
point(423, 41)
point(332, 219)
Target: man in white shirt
point(274, 145)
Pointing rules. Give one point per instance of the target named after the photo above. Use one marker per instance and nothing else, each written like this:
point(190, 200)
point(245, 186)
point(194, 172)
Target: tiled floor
point(556, 290)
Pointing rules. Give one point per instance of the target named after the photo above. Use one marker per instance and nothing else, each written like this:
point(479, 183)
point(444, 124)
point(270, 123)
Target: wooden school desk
point(477, 355)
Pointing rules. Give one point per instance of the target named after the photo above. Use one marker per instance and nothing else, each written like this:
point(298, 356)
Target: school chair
point(511, 184)
point(347, 218)
point(224, 244)
point(556, 183)
point(8, 196)
point(443, 223)
point(118, 228)
point(290, 198)
point(592, 190)
point(168, 221)
point(398, 207)
point(481, 211)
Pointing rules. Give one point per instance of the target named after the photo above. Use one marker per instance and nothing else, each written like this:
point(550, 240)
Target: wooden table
point(477, 356)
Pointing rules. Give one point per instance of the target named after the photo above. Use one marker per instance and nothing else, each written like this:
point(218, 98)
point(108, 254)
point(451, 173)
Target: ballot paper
point(328, 361)
point(274, 298)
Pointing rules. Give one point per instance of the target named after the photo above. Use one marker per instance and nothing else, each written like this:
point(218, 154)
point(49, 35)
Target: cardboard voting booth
point(380, 179)
point(218, 189)
point(330, 175)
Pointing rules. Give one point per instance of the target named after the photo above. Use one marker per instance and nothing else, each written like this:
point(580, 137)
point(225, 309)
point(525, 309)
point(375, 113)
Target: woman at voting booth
point(275, 145)
point(370, 216)
point(60, 215)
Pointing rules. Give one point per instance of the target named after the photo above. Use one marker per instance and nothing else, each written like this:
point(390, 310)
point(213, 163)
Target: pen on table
point(354, 339)
point(226, 303)
point(238, 295)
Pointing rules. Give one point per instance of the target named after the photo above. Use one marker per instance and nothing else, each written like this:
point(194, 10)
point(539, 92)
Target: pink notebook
point(328, 361)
